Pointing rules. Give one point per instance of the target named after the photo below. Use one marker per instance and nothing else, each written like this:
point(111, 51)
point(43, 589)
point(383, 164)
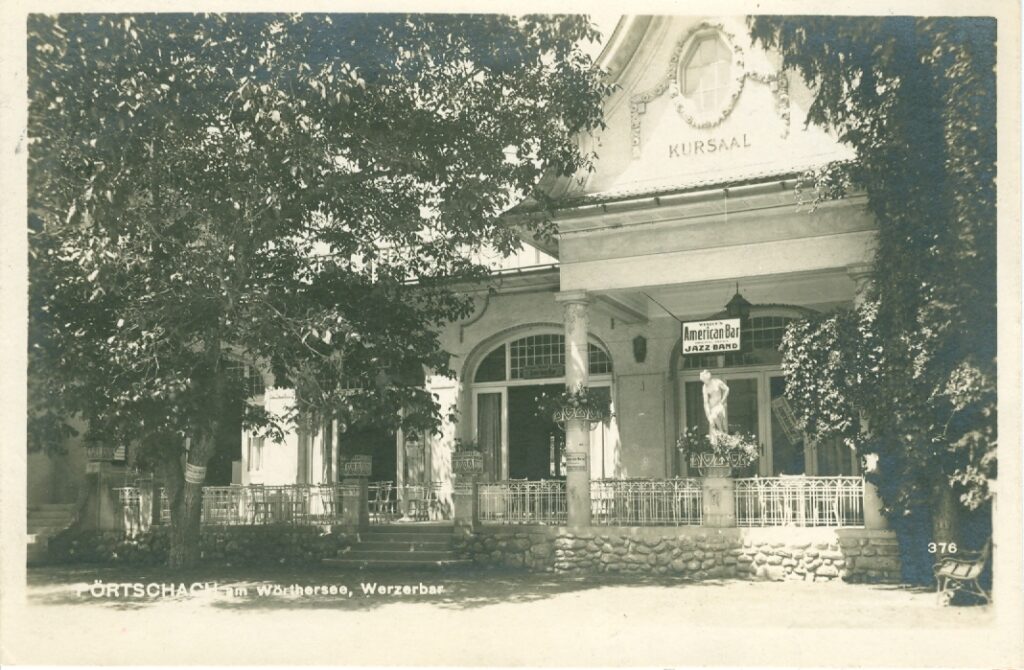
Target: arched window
point(540, 356)
point(705, 73)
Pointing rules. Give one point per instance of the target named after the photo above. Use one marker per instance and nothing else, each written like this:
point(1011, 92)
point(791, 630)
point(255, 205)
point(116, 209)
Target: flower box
point(360, 465)
point(468, 463)
point(713, 465)
point(100, 453)
point(588, 414)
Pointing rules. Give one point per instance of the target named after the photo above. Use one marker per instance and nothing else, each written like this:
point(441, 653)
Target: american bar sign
point(709, 337)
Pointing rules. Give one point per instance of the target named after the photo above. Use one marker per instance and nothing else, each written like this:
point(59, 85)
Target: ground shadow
point(253, 588)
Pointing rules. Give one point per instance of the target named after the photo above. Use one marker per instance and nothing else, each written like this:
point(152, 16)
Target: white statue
point(716, 392)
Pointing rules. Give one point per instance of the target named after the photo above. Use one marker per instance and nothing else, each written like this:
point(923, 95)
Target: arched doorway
point(518, 440)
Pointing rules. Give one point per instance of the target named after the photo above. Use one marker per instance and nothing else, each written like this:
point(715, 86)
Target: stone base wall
point(224, 545)
point(807, 554)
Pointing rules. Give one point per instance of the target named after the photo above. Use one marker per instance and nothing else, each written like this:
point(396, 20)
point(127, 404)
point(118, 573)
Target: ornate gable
point(698, 105)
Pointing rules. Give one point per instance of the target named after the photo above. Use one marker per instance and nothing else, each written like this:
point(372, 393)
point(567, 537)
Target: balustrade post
point(354, 502)
point(355, 509)
point(465, 512)
point(577, 431)
point(718, 495)
point(103, 508)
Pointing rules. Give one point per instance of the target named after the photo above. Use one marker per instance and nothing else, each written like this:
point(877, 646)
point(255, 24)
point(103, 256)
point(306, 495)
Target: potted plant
point(576, 403)
point(717, 456)
point(467, 459)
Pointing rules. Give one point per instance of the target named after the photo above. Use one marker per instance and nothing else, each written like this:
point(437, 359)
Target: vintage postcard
point(487, 335)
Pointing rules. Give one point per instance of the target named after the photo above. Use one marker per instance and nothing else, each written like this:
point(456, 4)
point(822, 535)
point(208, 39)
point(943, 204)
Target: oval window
point(705, 73)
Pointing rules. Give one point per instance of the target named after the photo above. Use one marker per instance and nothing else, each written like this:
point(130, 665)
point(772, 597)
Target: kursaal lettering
point(710, 146)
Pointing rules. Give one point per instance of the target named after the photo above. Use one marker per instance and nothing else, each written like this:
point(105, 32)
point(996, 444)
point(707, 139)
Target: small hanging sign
point(709, 337)
point(195, 474)
point(576, 460)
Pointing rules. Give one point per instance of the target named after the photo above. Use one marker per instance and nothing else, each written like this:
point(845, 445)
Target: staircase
point(45, 521)
point(412, 545)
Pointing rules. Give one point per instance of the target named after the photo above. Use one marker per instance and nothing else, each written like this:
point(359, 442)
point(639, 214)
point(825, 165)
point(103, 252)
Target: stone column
point(577, 431)
point(873, 518)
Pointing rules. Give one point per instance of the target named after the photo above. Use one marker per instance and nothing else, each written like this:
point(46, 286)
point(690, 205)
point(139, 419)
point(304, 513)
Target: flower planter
point(360, 465)
point(100, 453)
point(578, 413)
point(710, 465)
point(468, 463)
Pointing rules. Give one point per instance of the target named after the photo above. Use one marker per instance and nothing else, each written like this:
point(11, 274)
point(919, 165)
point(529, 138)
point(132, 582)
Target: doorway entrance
point(536, 444)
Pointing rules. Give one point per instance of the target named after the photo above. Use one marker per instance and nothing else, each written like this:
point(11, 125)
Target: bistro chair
point(417, 502)
point(380, 503)
point(259, 505)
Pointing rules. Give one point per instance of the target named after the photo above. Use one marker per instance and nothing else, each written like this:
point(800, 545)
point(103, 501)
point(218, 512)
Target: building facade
point(691, 213)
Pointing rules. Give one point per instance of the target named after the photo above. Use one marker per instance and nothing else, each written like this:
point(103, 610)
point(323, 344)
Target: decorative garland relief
point(778, 82)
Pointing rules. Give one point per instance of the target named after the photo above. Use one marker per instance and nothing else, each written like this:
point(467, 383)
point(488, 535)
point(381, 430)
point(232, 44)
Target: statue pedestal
point(719, 505)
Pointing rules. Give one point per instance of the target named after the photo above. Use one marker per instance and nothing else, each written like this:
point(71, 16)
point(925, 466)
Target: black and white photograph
point(594, 335)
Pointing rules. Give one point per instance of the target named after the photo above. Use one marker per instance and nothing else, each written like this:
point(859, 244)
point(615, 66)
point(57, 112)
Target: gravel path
point(484, 618)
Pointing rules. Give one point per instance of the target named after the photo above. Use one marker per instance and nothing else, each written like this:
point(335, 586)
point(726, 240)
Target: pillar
point(355, 511)
point(577, 432)
point(873, 517)
point(464, 502)
point(103, 508)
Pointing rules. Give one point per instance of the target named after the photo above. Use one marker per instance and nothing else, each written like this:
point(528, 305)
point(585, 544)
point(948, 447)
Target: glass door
point(490, 432)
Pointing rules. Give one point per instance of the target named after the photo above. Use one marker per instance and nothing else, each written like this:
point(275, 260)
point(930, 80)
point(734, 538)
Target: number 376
point(942, 547)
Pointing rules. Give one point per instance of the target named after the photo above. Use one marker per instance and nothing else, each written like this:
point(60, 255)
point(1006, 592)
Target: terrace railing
point(521, 501)
point(799, 500)
point(254, 504)
point(645, 502)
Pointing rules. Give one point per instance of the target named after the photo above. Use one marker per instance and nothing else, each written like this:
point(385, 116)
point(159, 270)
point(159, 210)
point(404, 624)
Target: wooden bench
point(960, 573)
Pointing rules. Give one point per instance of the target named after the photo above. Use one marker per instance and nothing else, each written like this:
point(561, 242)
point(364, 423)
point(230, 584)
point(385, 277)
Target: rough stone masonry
point(808, 554)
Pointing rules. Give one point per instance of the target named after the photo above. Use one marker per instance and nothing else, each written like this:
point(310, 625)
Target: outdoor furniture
point(420, 501)
point(960, 573)
point(381, 504)
point(330, 503)
point(259, 507)
point(794, 499)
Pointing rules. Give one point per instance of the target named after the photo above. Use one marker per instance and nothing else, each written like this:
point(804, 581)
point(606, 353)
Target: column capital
point(860, 272)
point(578, 297)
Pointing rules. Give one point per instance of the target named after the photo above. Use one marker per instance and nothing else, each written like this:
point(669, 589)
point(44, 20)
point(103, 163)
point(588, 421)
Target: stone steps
point(401, 546)
point(44, 521)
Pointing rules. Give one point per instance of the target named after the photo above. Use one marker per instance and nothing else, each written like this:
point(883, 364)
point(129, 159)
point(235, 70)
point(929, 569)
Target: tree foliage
point(910, 375)
point(296, 191)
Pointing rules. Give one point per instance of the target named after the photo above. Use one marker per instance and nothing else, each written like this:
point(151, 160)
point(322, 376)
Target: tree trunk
point(184, 550)
point(186, 502)
point(945, 517)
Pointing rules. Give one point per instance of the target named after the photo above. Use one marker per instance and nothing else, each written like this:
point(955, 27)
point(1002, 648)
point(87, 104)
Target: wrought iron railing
point(303, 504)
point(522, 501)
point(130, 520)
point(254, 504)
point(799, 500)
point(645, 502)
